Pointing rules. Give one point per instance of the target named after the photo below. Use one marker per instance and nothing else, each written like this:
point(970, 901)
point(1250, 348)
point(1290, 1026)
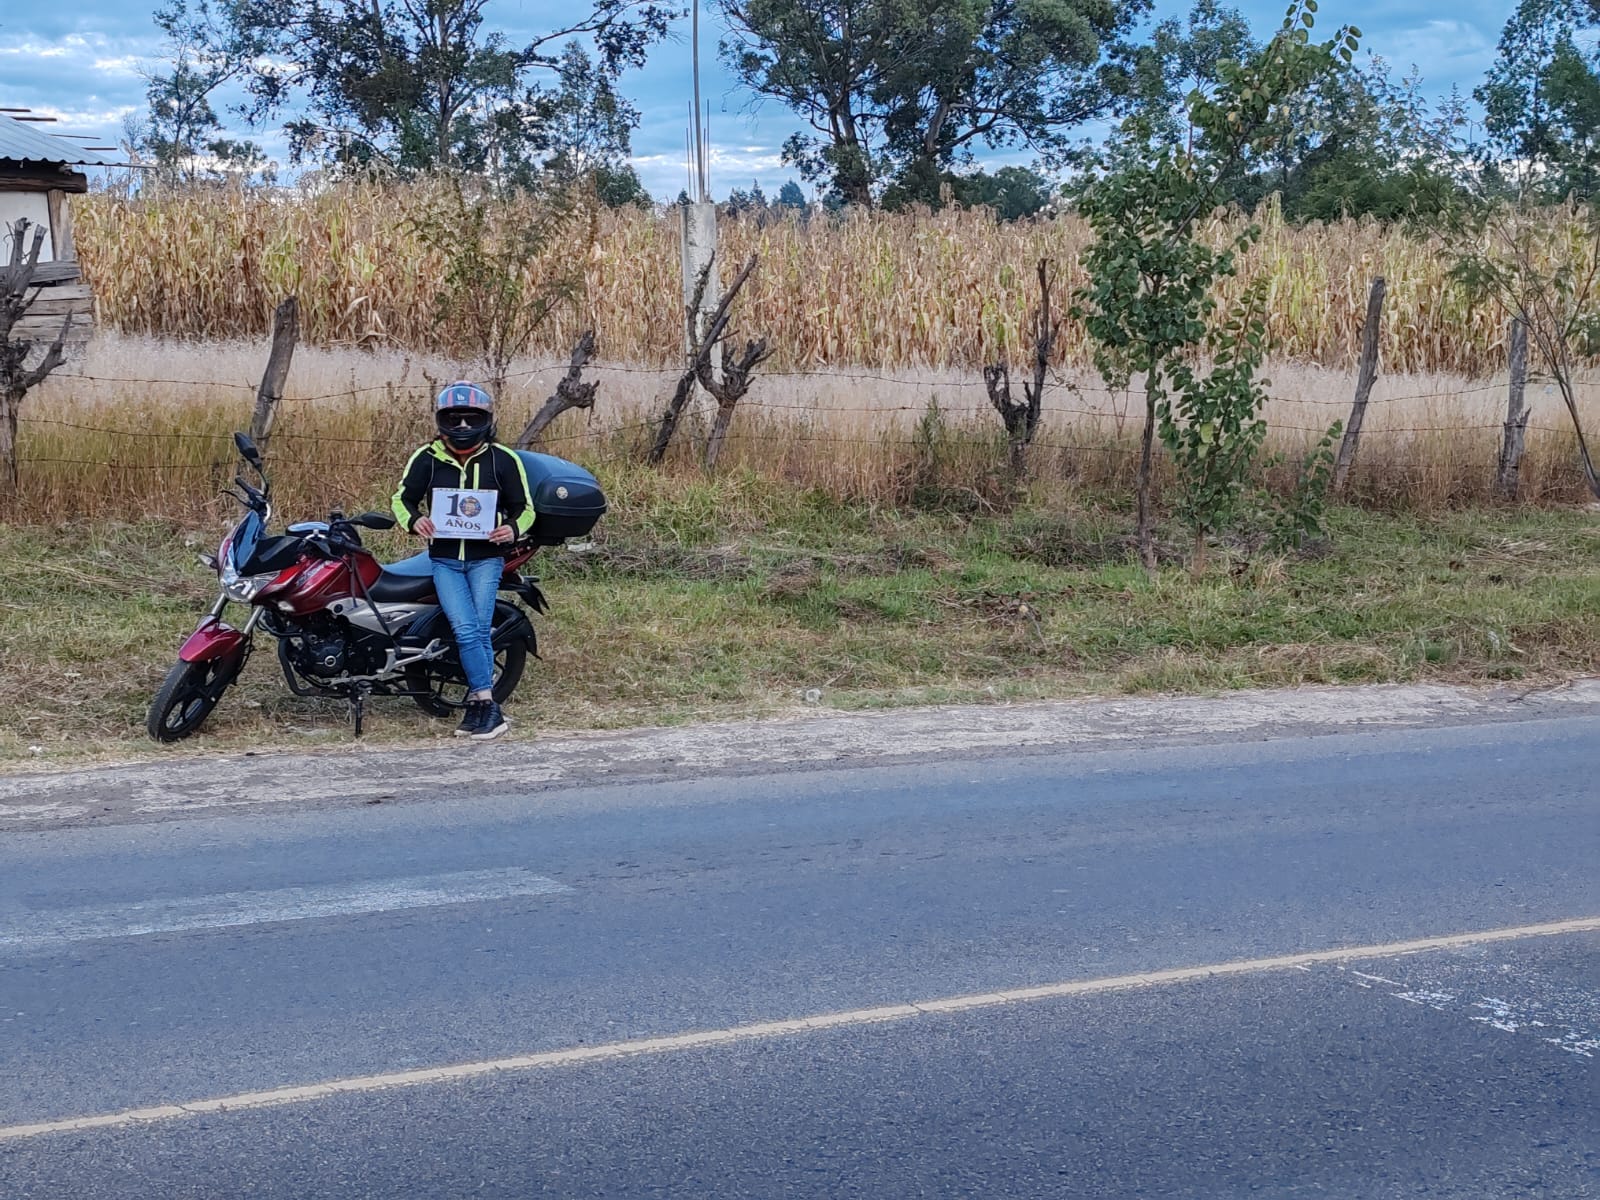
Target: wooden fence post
point(571, 392)
point(17, 296)
point(699, 354)
point(1516, 426)
point(729, 390)
point(1364, 382)
point(1022, 418)
point(285, 332)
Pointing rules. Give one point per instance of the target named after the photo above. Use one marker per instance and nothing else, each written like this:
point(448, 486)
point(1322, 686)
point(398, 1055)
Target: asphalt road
point(151, 966)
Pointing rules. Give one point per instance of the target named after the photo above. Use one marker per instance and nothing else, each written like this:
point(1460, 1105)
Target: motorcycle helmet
point(464, 415)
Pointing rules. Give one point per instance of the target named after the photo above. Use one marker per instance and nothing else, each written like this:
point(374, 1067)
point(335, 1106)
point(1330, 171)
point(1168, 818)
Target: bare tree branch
point(1021, 418)
point(17, 295)
point(571, 392)
point(700, 352)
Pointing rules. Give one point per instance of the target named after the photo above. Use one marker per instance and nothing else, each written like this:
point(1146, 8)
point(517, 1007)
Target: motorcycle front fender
point(213, 639)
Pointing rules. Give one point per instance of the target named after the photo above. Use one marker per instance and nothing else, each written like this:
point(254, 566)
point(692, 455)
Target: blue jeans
point(466, 593)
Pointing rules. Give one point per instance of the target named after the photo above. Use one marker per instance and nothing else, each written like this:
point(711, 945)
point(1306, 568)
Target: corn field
point(877, 319)
point(949, 290)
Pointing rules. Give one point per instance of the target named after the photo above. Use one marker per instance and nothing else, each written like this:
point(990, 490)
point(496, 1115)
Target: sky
point(82, 62)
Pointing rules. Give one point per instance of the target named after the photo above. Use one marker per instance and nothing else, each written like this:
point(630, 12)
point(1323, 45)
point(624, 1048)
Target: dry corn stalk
point(953, 289)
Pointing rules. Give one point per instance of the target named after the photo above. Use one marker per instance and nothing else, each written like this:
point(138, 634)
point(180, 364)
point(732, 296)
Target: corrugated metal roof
point(22, 141)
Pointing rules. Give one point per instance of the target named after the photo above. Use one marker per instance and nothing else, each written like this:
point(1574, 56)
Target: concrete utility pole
point(699, 218)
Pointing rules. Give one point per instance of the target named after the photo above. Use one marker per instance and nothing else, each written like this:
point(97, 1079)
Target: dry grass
point(95, 444)
point(735, 595)
point(948, 290)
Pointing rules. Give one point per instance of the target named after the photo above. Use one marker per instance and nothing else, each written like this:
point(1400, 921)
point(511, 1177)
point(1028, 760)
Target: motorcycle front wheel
point(187, 696)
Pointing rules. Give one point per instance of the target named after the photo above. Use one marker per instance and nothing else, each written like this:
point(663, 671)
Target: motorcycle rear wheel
point(440, 694)
point(187, 696)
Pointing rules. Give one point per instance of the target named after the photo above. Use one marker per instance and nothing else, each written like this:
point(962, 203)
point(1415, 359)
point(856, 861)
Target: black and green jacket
point(494, 466)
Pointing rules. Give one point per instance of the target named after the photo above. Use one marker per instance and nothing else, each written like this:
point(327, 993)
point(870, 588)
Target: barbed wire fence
point(1080, 417)
point(823, 409)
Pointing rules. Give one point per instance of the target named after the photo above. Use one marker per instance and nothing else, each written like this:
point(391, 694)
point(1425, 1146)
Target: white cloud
point(123, 64)
point(731, 167)
point(746, 158)
point(33, 50)
point(79, 120)
point(1446, 51)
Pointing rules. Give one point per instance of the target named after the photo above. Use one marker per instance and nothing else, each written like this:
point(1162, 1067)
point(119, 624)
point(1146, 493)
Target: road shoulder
point(198, 785)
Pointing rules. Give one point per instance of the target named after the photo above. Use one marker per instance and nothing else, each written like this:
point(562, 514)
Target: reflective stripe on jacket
point(493, 466)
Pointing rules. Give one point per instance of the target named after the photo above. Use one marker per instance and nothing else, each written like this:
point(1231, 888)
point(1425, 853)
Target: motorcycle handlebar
point(256, 497)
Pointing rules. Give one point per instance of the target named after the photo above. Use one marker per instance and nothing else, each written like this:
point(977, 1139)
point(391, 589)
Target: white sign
point(464, 513)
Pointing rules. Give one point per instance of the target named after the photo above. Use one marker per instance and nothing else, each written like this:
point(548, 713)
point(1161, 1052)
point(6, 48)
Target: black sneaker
point(493, 725)
point(472, 718)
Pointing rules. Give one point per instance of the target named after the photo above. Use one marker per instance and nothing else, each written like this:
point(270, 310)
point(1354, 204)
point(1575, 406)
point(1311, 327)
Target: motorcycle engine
point(328, 648)
point(322, 655)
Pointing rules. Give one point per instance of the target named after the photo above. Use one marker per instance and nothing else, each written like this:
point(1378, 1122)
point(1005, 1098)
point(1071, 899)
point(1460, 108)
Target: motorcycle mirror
point(247, 450)
point(375, 520)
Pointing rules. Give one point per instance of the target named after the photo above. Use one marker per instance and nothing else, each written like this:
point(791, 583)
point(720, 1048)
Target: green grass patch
point(736, 596)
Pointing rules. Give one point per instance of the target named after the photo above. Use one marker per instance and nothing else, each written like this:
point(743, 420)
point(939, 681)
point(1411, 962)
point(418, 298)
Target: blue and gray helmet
point(464, 414)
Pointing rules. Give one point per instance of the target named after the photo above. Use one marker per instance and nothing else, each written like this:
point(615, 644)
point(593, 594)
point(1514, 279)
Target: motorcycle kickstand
point(358, 705)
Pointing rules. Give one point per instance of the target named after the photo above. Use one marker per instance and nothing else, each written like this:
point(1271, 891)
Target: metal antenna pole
point(699, 133)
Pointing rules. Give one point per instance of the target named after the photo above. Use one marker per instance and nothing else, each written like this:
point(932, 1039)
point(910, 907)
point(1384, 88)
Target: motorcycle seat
point(401, 589)
point(417, 565)
point(404, 582)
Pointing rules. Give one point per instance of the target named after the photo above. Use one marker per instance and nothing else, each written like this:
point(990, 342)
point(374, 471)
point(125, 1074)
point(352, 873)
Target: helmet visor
point(464, 426)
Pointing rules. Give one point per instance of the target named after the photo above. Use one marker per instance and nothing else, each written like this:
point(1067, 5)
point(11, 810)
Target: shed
point(37, 175)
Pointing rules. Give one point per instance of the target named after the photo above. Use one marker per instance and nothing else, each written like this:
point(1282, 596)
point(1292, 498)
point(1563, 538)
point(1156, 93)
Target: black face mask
point(464, 430)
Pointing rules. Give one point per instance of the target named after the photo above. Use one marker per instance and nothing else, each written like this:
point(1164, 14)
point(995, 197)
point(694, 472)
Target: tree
point(21, 370)
point(790, 196)
point(181, 115)
point(1012, 192)
point(1182, 59)
point(620, 186)
point(241, 159)
point(753, 202)
point(1541, 99)
point(1538, 262)
point(183, 133)
point(1356, 143)
point(1150, 302)
point(1541, 265)
point(511, 261)
point(413, 83)
point(905, 90)
point(824, 61)
point(581, 131)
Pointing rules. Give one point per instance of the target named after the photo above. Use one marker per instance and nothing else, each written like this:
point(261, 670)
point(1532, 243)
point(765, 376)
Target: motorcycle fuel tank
point(322, 583)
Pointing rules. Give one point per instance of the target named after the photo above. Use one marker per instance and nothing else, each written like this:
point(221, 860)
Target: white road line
point(23, 931)
point(772, 1029)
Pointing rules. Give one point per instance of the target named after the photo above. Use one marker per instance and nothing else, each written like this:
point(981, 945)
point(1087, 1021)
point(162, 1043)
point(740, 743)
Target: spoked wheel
point(187, 696)
point(440, 688)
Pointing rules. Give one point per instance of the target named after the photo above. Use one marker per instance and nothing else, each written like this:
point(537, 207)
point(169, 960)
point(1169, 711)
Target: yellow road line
point(773, 1029)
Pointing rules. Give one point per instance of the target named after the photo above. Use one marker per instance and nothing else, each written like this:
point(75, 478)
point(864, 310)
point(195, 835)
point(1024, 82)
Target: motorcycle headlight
point(242, 588)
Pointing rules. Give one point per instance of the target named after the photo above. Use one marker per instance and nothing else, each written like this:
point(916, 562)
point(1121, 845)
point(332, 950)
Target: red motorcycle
point(346, 625)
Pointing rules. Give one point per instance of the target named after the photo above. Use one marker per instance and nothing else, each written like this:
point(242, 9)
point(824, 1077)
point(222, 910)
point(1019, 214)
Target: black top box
point(567, 498)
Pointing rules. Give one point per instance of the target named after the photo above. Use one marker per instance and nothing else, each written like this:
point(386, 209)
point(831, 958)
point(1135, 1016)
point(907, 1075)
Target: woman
point(477, 489)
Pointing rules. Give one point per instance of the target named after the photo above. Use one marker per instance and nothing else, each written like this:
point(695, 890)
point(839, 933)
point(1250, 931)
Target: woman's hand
point(503, 535)
point(424, 528)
